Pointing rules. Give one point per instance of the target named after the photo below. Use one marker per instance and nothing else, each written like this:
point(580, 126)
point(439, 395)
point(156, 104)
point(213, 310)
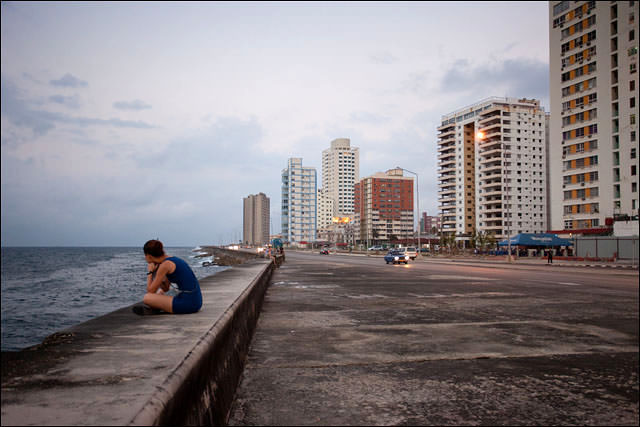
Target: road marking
point(448, 277)
point(569, 284)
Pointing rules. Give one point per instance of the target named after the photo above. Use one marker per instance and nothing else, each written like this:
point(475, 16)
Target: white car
point(376, 248)
point(412, 252)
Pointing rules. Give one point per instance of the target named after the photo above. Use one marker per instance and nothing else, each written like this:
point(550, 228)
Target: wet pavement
point(352, 341)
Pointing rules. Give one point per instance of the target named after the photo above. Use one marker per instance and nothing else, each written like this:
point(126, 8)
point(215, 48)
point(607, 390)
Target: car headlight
point(406, 257)
point(396, 258)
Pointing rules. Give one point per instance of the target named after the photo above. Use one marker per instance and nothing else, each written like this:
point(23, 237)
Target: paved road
point(351, 340)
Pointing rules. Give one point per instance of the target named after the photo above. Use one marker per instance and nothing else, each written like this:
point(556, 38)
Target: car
point(376, 248)
point(324, 252)
point(396, 257)
point(413, 254)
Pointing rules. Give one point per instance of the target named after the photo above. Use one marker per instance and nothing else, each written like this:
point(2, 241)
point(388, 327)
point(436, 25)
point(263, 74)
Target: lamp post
point(418, 206)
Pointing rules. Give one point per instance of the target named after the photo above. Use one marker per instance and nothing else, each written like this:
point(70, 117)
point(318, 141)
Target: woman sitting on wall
point(162, 270)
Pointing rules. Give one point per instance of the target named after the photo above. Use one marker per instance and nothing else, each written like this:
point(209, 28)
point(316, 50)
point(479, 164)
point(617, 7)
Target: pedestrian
point(162, 270)
point(550, 257)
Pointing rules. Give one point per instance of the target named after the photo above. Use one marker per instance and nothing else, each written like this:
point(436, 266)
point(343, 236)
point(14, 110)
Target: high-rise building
point(593, 168)
point(428, 223)
point(299, 192)
point(383, 207)
point(256, 219)
point(492, 168)
point(340, 171)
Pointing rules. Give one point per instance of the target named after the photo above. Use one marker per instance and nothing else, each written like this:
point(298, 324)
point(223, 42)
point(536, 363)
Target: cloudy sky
point(123, 122)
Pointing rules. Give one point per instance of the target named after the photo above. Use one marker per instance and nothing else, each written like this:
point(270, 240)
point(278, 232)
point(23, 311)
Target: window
point(561, 7)
point(632, 35)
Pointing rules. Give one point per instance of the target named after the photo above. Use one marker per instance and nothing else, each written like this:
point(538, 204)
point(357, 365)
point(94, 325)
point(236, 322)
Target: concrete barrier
point(142, 370)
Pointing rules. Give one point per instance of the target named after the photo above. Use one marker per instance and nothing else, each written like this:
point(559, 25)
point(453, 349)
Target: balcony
point(448, 155)
point(447, 132)
point(490, 125)
point(446, 162)
point(446, 145)
point(491, 152)
point(492, 210)
point(489, 114)
point(443, 171)
point(492, 168)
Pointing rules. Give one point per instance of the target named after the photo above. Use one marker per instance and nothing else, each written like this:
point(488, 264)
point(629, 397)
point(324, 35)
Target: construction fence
point(607, 247)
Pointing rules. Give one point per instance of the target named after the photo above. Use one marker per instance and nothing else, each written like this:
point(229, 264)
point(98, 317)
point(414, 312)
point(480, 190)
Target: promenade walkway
point(349, 340)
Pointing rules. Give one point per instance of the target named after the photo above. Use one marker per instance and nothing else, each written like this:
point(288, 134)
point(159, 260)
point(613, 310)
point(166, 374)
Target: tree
point(448, 241)
point(491, 240)
point(375, 234)
point(482, 240)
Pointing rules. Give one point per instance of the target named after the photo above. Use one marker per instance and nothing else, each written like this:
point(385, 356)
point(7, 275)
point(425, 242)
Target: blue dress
point(189, 300)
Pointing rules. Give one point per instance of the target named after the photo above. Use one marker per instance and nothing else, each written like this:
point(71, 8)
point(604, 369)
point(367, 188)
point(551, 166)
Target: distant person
point(162, 270)
point(550, 257)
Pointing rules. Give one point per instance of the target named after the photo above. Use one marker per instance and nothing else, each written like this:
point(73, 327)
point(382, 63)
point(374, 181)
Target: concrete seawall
point(126, 369)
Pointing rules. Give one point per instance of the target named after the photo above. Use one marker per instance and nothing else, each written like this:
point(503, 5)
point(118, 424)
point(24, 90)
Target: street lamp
point(418, 205)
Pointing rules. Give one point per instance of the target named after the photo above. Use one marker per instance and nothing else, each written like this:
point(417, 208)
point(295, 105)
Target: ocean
point(45, 290)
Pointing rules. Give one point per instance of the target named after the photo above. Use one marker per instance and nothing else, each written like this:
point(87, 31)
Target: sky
point(122, 122)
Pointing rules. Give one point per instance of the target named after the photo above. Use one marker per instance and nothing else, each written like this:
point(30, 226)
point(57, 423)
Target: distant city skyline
point(128, 121)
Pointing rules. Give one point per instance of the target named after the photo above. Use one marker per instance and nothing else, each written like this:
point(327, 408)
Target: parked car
point(376, 248)
point(413, 254)
point(395, 256)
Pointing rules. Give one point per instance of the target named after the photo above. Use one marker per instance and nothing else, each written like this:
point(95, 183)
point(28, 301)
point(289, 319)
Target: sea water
point(45, 290)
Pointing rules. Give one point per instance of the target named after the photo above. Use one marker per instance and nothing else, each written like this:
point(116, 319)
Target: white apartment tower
point(593, 170)
point(492, 168)
point(299, 190)
point(340, 171)
point(256, 219)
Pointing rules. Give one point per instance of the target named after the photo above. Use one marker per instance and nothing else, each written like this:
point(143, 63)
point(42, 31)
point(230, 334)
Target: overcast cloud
point(159, 129)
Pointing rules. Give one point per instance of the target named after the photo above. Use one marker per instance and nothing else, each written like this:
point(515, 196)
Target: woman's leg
point(163, 302)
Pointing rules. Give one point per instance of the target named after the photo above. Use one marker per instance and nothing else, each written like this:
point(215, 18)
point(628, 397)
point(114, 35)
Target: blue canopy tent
point(541, 239)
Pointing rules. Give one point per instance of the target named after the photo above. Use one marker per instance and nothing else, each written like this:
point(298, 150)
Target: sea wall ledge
point(125, 369)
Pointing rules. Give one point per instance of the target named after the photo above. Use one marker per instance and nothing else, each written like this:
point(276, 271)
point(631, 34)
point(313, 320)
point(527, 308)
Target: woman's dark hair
point(153, 248)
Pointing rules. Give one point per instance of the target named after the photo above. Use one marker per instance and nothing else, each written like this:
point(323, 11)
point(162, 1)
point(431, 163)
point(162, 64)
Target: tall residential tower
point(593, 171)
point(299, 189)
point(256, 219)
point(492, 168)
point(340, 171)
